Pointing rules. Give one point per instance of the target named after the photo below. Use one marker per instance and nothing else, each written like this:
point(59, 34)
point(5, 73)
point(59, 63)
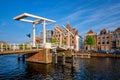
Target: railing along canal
point(17, 47)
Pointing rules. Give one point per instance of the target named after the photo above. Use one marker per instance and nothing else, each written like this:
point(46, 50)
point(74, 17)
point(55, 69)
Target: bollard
point(73, 60)
point(18, 57)
point(23, 57)
point(63, 57)
point(55, 58)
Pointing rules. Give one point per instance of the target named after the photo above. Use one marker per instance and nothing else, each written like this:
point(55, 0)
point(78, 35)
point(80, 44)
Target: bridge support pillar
point(43, 56)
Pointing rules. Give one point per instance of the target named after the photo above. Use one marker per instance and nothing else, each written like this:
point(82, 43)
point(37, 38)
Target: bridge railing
point(14, 47)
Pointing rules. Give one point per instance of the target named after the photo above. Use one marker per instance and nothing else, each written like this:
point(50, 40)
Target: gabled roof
point(118, 29)
point(90, 32)
point(58, 28)
point(103, 31)
point(73, 30)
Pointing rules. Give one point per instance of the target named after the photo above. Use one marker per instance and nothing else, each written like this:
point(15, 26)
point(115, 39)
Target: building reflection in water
point(49, 71)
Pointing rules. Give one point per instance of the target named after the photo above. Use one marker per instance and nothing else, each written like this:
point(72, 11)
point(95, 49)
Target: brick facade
point(116, 38)
point(105, 40)
point(94, 35)
point(57, 32)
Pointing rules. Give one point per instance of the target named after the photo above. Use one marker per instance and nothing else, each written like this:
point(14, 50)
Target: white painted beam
point(25, 20)
point(68, 31)
point(44, 34)
point(33, 16)
point(37, 20)
point(33, 41)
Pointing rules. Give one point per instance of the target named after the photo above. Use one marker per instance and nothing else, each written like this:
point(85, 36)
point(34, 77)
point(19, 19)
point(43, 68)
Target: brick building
point(75, 41)
point(104, 40)
point(94, 35)
point(57, 33)
point(116, 38)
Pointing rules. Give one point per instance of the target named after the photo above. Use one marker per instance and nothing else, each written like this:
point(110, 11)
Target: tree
point(64, 42)
point(54, 40)
point(90, 41)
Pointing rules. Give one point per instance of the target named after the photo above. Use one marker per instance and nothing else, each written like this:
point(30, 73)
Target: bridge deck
point(20, 51)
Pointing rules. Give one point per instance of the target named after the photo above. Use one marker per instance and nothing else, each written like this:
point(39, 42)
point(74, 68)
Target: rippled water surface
point(86, 69)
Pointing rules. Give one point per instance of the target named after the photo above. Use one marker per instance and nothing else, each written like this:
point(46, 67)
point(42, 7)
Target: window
point(98, 37)
point(103, 37)
point(72, 38)
point(107, 42)
point(65, 38)
point(114, 35)
point(103, 42)
point(107, 37)
point(119, 35)
point(98, 42)
point(72, 41)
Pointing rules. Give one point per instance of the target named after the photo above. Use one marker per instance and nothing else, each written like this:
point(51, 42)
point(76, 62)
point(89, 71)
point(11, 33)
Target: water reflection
point(49, 71)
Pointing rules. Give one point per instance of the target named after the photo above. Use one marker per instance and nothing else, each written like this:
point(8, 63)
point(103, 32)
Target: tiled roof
point(37, 38)
point(59, 28)
point(90, 31)
point(118, 29)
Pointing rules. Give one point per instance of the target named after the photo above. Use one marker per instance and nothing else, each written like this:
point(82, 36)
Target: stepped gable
point(59, 28)
point(103, 31)
point(73, 30)
point(68, 27)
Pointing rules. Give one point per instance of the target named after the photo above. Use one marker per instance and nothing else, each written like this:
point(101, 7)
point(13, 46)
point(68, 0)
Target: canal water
point(85, 69)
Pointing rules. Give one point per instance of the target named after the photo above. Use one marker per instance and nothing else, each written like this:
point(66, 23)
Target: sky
point(83, 15)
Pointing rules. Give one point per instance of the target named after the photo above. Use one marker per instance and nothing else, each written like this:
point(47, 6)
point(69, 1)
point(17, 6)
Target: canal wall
point(104, 55)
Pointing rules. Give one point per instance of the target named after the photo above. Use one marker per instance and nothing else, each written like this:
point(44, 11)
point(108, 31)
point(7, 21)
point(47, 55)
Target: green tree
point(64, 42)
point(54, 40)
point(90, 41)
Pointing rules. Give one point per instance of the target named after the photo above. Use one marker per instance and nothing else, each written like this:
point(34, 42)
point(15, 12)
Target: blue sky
point(81, 14)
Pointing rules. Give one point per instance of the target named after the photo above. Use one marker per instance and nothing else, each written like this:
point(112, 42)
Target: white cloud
point(108, 18)
point(84, 19)
point(74, 16)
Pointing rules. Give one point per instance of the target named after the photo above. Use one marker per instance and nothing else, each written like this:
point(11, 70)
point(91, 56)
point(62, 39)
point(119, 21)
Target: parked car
point(117, 52)
point(101, 51)
point(108, 51)
point(92, 51)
